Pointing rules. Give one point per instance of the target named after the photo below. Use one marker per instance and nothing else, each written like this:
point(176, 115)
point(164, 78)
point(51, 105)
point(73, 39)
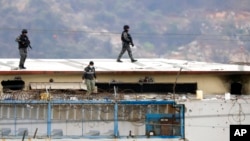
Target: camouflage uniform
point(89, 76)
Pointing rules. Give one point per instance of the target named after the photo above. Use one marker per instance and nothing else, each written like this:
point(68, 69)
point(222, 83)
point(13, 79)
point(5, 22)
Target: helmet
point(125, 27)
point(91, 63)
point(24, 31)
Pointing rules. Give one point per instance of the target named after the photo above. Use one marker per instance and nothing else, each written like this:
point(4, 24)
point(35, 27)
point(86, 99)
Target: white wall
point(209, 119)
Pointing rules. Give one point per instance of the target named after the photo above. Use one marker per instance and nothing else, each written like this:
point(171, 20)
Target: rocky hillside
point(198, 30)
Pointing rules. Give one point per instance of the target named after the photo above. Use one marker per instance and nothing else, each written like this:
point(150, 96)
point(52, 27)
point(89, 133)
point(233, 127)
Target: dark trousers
point(23, 56)
point(125, 47)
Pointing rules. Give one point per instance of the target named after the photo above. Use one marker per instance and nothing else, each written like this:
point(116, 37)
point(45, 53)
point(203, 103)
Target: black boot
point(22, 67)
point(118, 60)
point(133, 60)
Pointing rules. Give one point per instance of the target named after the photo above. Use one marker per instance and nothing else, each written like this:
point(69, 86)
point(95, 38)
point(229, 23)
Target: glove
point(132, 44)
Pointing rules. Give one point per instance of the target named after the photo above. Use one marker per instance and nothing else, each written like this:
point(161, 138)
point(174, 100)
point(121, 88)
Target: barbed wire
point(134, 114)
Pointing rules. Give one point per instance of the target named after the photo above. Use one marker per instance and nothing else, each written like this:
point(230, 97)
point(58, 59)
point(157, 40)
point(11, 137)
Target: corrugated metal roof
point(110, 65)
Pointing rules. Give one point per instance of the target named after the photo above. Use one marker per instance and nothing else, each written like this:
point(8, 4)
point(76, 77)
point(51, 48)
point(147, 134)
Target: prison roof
point(152, 65)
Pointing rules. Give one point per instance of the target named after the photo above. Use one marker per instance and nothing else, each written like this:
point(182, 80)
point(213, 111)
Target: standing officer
point(126, 42)
point(23, 44)
point(89, 76)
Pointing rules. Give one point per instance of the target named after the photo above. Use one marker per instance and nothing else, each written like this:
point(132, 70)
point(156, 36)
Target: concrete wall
point(206, 120)
point(208, 83)
point(210, 119)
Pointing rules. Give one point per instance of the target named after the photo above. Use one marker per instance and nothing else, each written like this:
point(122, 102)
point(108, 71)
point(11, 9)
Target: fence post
point(49, 119)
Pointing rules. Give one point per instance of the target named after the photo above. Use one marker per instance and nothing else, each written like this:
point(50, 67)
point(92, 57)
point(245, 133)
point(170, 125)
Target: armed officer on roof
point(23, 44)
point(126, 42)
